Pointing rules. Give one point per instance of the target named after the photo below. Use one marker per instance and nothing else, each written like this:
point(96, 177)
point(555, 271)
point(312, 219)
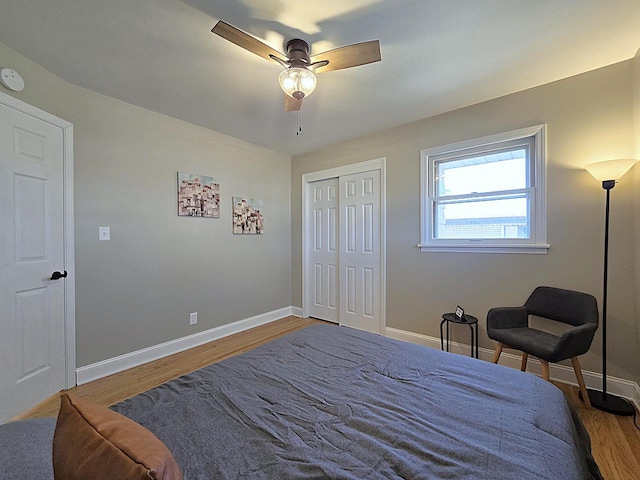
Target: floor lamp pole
point(602, 400)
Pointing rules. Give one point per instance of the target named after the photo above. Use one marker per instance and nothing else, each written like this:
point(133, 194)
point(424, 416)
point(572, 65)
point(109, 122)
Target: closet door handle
point(57, 275)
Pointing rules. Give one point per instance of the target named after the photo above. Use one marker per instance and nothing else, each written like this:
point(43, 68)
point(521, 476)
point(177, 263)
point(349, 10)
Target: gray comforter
point(331, 402)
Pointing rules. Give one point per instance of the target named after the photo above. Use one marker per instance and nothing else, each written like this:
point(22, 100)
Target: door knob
point(57, 275)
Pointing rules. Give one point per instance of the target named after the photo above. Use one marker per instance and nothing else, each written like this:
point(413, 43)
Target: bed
point(332, 402)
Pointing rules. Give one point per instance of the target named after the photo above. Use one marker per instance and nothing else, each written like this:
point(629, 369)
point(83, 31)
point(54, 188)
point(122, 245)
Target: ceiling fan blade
point(246, 41)
point(291, 104)
point(349, 56)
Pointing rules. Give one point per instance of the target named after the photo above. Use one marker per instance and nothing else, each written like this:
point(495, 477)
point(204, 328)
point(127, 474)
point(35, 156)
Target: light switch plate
point(104, 233)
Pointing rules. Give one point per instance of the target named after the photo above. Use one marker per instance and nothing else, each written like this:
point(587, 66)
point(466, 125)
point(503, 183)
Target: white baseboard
point(110, 366)
point(617, 386)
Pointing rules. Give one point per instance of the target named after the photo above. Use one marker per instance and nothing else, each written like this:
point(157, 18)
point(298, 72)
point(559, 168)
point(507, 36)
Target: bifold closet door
point(322, 266)
point(360, 251)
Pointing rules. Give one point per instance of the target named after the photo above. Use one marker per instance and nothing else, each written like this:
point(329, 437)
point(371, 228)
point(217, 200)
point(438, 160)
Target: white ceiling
point(437, 55)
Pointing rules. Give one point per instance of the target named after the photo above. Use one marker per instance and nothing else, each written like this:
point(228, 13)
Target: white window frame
point(537, 241)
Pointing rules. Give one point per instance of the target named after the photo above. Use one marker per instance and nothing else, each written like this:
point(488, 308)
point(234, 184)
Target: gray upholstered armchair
point(509, 326)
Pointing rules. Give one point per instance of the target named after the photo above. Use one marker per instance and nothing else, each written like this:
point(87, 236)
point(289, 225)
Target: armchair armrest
point(576, 341)
point(507, 317)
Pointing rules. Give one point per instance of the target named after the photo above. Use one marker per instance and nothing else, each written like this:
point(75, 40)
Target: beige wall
point(636, 196)
point(589, 118)
point(138, 289)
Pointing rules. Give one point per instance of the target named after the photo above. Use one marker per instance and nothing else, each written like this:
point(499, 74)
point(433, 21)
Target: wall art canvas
point(198, 196)
point(247, 216)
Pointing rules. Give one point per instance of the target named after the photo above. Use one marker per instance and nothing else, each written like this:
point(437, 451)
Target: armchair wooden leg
point(583, 388)
point(523, 365)
point(545, 370)
point(496, 355)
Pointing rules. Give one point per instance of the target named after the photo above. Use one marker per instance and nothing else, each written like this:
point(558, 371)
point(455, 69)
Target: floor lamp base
point(610, 404)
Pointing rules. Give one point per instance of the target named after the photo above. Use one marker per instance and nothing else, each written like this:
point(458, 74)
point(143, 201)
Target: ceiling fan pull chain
point(299, 130)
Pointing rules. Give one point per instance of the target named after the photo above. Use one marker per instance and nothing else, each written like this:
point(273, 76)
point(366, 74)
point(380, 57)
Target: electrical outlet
point(193, 318)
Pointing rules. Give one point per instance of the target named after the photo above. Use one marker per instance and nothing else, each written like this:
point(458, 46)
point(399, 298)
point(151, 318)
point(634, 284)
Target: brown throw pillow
point(93, 442)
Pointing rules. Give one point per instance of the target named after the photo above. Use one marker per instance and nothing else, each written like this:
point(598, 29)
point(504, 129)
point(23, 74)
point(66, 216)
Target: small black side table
point(473, 326)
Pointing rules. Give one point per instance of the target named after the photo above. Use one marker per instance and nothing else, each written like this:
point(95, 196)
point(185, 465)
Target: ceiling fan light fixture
point(297, 82)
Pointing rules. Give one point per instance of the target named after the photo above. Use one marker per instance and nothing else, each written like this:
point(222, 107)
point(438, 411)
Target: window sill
point(538, 249)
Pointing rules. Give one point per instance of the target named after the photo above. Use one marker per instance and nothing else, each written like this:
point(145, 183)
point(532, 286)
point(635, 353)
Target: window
point(486, 194)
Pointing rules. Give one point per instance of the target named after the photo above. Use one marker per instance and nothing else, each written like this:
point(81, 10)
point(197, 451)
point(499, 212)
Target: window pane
point(478, 219)
point(496, 171)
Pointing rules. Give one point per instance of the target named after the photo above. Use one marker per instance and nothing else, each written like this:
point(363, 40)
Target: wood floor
point(615, 440)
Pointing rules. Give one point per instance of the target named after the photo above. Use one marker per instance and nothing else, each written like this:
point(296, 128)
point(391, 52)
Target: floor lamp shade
point(610, 169)
point(609, 172)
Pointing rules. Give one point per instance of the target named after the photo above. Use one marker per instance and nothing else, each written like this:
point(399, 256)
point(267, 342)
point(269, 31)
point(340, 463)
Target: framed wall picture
point(248, 216)
point(198, 196)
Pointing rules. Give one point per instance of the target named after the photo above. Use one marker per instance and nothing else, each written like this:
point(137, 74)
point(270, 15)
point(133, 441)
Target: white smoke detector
point(11, 79)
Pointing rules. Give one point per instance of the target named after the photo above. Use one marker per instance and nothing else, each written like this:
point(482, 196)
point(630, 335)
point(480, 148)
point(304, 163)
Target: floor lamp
point(609, 172)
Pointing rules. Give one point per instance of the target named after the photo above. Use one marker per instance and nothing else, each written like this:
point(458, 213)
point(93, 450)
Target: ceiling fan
point(298, 79)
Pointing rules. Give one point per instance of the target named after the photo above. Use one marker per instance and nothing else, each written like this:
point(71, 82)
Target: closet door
point(322, 267)
point(360, 251)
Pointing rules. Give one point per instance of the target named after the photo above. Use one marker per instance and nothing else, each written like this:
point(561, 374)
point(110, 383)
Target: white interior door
point(360, 251)
point(32, 306)
point(323, 250)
